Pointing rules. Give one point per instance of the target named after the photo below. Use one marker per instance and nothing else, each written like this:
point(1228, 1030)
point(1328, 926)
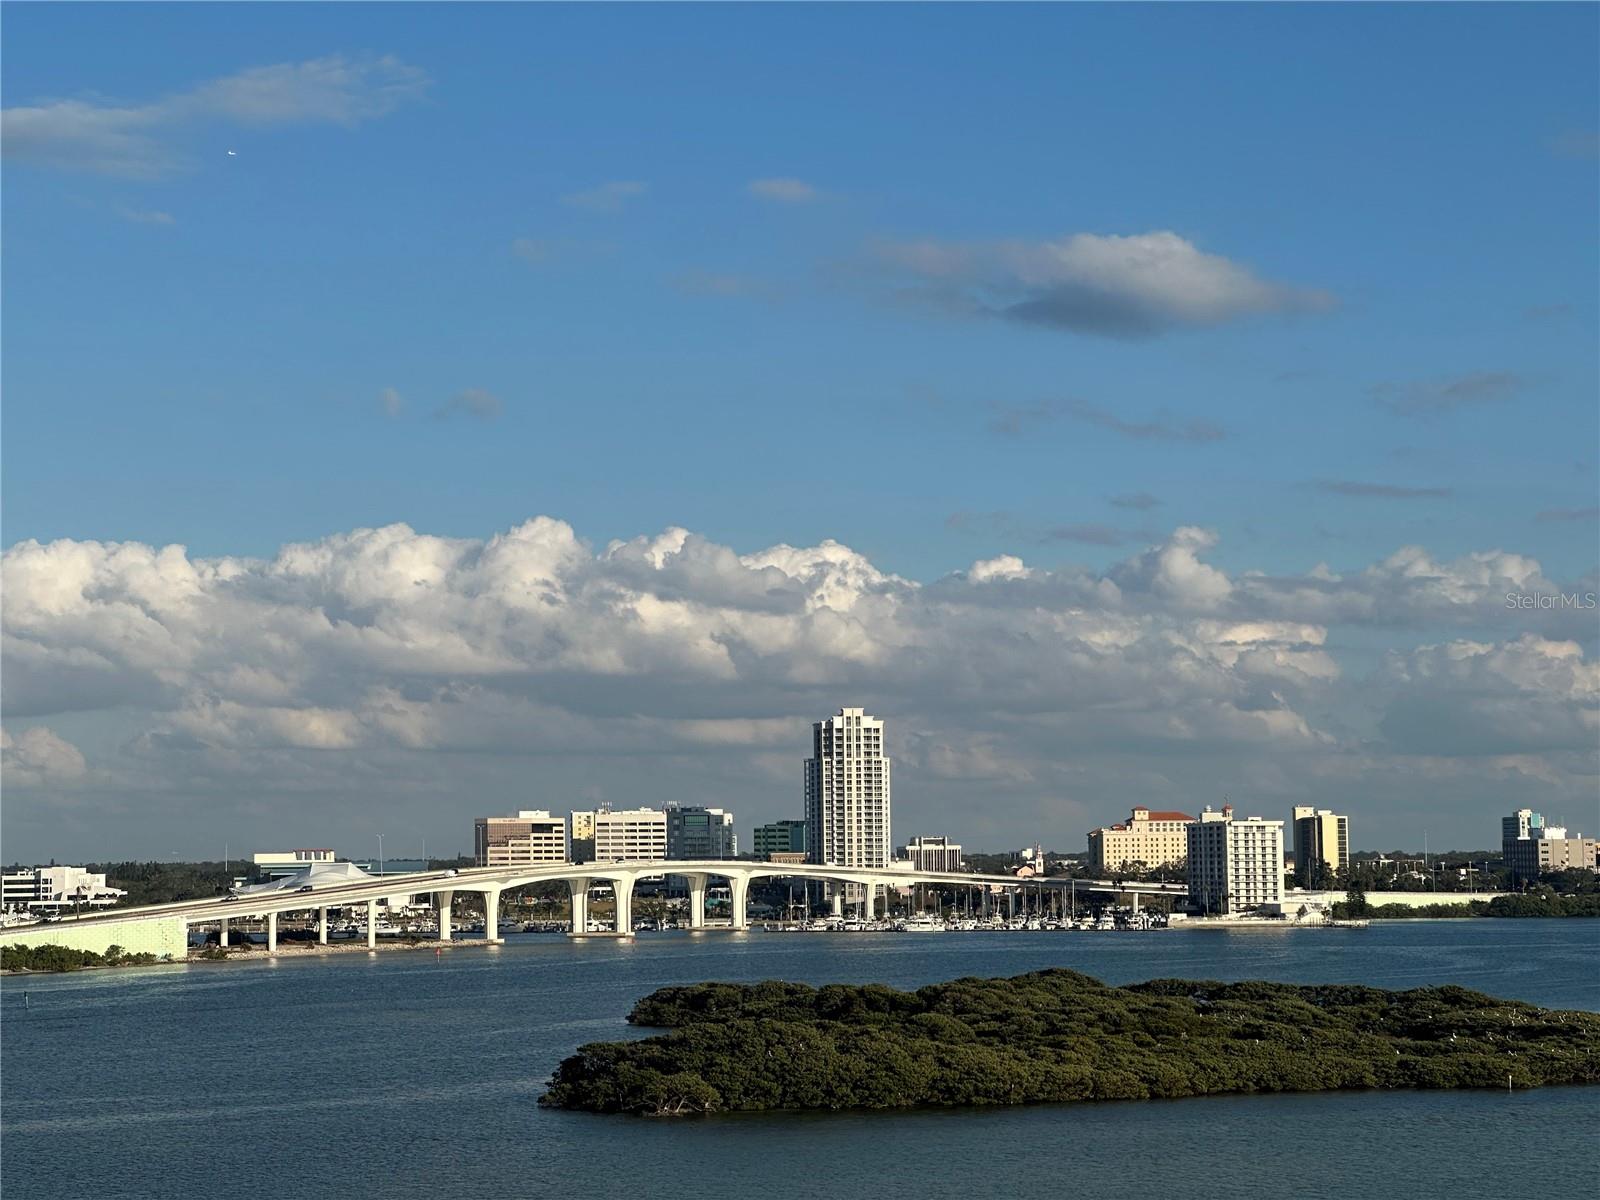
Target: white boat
point(921, 923)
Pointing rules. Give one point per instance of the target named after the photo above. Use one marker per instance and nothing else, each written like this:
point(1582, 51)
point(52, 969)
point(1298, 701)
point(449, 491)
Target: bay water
point(410, 1074)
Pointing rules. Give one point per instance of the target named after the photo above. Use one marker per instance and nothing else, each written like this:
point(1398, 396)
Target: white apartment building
point(1234, 865)
point(933, 854)
point(847, 792)
point(56, 888)
point(626, 834)
point(1146, 839)
point(532, 836)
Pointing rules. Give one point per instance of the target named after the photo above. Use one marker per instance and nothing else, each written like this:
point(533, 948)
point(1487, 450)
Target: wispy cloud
point(1141, 501)
point(1433, 397)
point(140, 140)
point(391, 402)
point(1014, 420)
point(784, 191)
point(1089, 535)
point(1570, 514)
point(718, 283)
point(475, 403)
point(142, 216)
point(531, 250)
point(1133, 286)
point(1383, 491)
point(967, 521)
point(1159, 429)
point(608, 197)
point(1547, 312)
point(1576, 143)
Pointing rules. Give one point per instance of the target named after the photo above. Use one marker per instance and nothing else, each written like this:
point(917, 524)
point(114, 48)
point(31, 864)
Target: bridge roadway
point(490, 882)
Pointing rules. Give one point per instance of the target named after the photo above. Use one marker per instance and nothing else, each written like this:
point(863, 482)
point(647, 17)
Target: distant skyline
point(413, 413)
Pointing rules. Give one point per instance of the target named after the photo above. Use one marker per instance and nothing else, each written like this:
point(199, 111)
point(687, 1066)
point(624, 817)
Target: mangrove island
point(1057, 1035)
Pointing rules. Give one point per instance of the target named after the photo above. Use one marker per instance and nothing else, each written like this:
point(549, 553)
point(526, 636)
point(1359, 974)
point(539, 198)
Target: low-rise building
point(51, 889)
point(1530, 847)
point(781, 837)
point(1147, 839)
point(531, 837)
point(275, 864)
point(932, 854)
point(695, 833)
point(1234, 866)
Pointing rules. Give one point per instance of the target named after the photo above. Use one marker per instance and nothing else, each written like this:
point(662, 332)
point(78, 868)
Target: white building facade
point(933, 854)
point(847, 792)
point(1234, 865)
point(51, 889)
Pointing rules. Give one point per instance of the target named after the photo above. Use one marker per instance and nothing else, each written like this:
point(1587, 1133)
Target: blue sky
point(469, 265)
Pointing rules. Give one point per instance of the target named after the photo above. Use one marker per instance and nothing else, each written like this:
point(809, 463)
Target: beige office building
point(530, 838)
point(1321, 846)
point(626, 834)
point(1146, 839)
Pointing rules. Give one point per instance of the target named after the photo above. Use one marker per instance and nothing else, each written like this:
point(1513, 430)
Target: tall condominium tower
point(847, 792)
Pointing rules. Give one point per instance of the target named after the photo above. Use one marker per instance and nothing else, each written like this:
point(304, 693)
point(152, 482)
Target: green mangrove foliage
point(53, 958)
point(1057, 1036)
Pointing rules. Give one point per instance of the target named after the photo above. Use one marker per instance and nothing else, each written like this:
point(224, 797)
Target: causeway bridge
point(163, 928)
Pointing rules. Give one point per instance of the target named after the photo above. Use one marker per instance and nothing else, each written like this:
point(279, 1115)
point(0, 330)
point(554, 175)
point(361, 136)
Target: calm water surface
point(406, 1075)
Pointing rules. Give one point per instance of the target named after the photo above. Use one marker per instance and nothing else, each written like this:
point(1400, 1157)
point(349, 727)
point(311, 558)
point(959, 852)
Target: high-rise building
point(1146, 839)
point(933, 854)
point(1321, 846)
point(847, 792)
point(531, 837)
point(1529, 847)
point(780, 837)
point(628, 834)
point(1234, 865)
point(695, 833)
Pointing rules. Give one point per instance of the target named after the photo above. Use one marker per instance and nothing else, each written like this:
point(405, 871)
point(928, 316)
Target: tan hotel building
point(1147, 838)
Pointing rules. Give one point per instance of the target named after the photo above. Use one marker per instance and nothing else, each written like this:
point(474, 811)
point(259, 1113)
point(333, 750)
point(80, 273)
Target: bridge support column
point(622, 892)
point(372, 924)
point(222, 932)
point(836, 895)
point(739, 887)
point(272, 933)
point(579, 889)
point(697, 901)
point(1136, 902)
point(491, 915)
point(443, 900)
point(322, 925)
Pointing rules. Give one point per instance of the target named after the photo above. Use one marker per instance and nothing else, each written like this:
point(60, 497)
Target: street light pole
point(380, 854)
